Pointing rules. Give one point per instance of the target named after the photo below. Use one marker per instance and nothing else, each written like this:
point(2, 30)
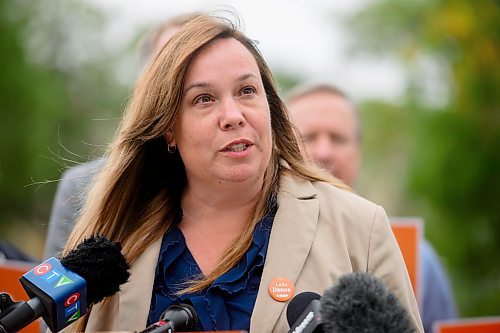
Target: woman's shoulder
point(337, 196)
point(335, 205)
point(344, 205)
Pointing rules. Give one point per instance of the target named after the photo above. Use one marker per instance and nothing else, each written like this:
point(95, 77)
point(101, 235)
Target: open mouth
point(237, 147)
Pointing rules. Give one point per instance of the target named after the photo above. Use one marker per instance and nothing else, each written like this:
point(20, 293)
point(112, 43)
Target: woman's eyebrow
point(246, 76)
point(196, 85)
point(242, 77)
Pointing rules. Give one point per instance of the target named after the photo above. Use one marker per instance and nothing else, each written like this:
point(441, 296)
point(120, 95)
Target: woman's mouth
point(237, 147)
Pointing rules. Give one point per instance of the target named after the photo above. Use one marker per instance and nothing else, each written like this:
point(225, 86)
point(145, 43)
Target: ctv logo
point(55, 278)
point(51, 275)
point(72, 307)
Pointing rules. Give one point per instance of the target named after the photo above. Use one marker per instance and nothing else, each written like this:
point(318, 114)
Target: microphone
point(61, 291)
point(180, 317)
point(358, 303)
point(303, 313)
point(361, 303)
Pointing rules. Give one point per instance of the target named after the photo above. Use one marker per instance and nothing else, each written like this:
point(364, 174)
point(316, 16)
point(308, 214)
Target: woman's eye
point(203, 99)
point(248, 91)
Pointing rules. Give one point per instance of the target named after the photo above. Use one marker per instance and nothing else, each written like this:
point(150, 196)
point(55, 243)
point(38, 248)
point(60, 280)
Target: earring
point(171, 149)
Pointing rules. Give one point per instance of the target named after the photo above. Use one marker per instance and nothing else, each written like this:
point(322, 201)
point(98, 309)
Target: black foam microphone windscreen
point(361, 303)
point(102, 265)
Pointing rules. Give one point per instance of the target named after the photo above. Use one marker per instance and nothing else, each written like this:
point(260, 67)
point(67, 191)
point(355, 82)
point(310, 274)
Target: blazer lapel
point(290, 242)
point(135, 298)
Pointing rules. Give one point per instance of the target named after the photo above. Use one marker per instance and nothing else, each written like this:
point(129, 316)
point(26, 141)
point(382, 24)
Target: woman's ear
point(169, 137)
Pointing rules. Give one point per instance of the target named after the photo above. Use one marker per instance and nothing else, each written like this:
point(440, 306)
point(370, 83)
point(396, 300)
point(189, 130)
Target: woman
point(207, 191)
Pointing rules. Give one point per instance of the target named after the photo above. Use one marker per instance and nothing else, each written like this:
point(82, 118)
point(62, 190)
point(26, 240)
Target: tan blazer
point(319, 234)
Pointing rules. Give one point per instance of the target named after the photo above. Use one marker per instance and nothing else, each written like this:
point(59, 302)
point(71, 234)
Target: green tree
point(33, 103)
point(452, 158)
point(58, 78)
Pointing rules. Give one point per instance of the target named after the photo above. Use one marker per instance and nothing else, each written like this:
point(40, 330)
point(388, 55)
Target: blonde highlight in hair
point(137, 195)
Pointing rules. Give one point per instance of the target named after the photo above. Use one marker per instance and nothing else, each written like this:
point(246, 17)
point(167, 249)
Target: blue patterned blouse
point(228, 303)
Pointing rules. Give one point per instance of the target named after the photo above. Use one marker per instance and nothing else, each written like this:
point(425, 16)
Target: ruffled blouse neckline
point(228, 302)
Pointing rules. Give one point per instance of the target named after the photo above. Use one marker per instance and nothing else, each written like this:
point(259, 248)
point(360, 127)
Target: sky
point(303, 37)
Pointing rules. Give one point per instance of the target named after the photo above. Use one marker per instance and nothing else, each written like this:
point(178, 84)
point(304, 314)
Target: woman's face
point(223, 132)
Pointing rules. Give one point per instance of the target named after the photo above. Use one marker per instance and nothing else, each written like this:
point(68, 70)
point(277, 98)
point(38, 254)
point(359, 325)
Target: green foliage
point(33, 103)
point(448, 158)
point(285, 81)
point(454, 170)
point(53, 88)
point(385, 144)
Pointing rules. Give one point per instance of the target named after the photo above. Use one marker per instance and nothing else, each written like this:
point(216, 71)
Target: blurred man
point(330, 128)
point(73, 187)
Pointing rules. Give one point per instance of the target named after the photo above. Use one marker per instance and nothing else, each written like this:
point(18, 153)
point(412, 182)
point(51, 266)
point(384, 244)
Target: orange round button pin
point(281, 289)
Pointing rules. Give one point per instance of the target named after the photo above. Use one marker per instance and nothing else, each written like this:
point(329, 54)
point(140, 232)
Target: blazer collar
point(291, 238)
point(135, 298)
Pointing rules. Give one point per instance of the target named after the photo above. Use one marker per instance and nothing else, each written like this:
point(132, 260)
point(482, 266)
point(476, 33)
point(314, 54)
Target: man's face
point(329, 129)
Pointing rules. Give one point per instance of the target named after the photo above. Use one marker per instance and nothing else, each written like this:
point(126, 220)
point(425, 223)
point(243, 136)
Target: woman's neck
point(212, 221)
point(202, 204)
point(221, 197)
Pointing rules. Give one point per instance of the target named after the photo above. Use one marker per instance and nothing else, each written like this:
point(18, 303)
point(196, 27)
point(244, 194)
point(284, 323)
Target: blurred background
point(425, 75)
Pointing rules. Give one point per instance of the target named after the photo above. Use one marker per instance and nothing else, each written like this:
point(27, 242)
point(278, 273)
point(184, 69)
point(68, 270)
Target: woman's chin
point(241, 175)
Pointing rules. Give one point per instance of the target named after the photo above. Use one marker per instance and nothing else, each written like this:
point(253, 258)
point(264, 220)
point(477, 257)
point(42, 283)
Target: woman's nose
point(231, 115)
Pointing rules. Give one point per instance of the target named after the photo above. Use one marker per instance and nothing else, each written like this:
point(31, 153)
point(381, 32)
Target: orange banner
point(469, 325)
point(408, 233)
point(11, 271)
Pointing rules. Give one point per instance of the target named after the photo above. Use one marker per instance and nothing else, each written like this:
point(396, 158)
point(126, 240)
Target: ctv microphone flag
point(62, 291)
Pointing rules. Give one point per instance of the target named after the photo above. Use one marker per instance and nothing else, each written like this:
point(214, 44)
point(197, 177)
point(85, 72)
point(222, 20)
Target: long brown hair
point(136, 196)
